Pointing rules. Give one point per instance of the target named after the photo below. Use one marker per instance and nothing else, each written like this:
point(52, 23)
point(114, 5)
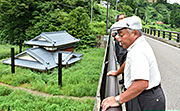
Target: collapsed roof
point(52, 39)
point(45, 54)
point(40, 59)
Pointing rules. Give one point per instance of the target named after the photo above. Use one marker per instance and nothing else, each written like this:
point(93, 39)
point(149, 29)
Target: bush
point(98, 28)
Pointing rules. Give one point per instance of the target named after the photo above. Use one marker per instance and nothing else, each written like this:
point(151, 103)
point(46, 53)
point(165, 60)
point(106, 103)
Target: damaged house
point(44, 54)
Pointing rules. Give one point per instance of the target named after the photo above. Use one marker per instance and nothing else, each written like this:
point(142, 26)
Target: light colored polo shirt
point(141, 64)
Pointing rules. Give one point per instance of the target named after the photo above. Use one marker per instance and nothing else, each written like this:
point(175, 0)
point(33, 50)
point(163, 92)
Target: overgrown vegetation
point(26, 19)
point(18, 100)
point(6, 50)
point(78, 80)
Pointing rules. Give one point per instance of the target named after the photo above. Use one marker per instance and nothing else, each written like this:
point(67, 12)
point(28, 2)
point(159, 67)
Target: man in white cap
point(141, 74)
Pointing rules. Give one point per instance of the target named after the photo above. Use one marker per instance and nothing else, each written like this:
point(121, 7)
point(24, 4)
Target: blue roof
point(42, 59)
point(53, 39)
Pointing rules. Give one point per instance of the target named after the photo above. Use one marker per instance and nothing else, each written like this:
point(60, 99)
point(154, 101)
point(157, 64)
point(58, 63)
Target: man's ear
point(136, 32)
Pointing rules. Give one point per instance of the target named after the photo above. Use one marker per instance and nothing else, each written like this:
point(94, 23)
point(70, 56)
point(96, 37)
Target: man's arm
point(119, 71)
point(137, 87)
point(134, 90)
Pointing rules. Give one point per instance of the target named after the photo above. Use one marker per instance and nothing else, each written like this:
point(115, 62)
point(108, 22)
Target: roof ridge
point(40, 59)
point(47, 37)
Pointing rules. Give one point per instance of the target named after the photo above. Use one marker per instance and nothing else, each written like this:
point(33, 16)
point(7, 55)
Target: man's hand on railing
point(109, 102)
point(119, 71)
point(112, 73)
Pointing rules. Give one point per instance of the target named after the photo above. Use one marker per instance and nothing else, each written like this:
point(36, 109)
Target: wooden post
point(60, 69)
point(20, 46)
point(12, 61)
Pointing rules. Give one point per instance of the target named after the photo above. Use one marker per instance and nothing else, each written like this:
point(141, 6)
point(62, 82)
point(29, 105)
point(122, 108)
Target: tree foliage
point(78, 26)
point(26, 19)
point(175, 16)
point(46, 19)
point(15, 16)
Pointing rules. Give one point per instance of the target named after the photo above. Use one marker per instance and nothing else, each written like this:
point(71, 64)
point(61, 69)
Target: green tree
point(175, 16)
point(78, 26)
point(15, 16)
point(46, 19)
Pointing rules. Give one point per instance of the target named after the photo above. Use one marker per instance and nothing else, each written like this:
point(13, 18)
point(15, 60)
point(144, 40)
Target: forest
point(25, 19)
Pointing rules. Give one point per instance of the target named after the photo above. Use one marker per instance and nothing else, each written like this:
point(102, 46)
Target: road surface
point(168, 58)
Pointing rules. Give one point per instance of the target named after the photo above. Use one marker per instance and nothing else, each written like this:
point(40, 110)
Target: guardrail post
point(169, 35)
point(60, 69)
point(151, 31)
point(178, 37)
point(158, 33)
point(154, 32)
point(163, 34)
point(12, 61)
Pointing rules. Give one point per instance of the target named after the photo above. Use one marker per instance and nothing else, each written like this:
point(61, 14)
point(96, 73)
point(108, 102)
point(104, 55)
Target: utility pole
point(107, 20)
point(116, 9)
point(136, 11)
point(91, 10)
point(146, 18)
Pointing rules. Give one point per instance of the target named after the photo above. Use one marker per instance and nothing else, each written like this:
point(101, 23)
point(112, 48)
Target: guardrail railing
point(175, 36)
point(108, 85)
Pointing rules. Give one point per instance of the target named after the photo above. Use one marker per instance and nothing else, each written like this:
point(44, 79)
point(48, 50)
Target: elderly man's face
point(126, 38)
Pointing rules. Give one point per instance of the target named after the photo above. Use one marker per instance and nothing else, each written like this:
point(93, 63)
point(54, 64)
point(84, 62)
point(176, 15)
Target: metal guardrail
point(108, 85)
point(175, 36)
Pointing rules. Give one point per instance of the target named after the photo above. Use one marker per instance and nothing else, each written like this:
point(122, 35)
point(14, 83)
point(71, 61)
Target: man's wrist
point(117, 98)
point(116, 73)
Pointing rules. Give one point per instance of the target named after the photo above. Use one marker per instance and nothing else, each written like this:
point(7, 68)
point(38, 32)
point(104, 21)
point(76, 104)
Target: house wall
point(71, 49)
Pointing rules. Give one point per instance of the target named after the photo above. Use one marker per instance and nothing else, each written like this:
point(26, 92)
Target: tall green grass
point(78, 80)
point(18, 100)
point(5, 51)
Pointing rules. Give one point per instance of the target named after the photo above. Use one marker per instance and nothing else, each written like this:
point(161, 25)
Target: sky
point(172, 1)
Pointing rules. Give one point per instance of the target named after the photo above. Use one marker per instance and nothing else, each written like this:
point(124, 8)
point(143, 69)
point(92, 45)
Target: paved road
point(168, 58)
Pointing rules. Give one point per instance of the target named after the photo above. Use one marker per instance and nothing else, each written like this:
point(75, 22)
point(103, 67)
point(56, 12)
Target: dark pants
point(121, 53)
point(148, 100)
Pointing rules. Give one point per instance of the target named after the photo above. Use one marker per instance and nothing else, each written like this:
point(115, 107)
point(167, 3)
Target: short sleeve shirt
point(141, 64)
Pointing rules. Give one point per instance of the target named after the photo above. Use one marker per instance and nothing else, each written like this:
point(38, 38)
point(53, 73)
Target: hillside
point(27, 19)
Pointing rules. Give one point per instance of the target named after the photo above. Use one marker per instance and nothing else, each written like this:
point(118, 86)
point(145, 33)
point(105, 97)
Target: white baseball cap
point(133, 22)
